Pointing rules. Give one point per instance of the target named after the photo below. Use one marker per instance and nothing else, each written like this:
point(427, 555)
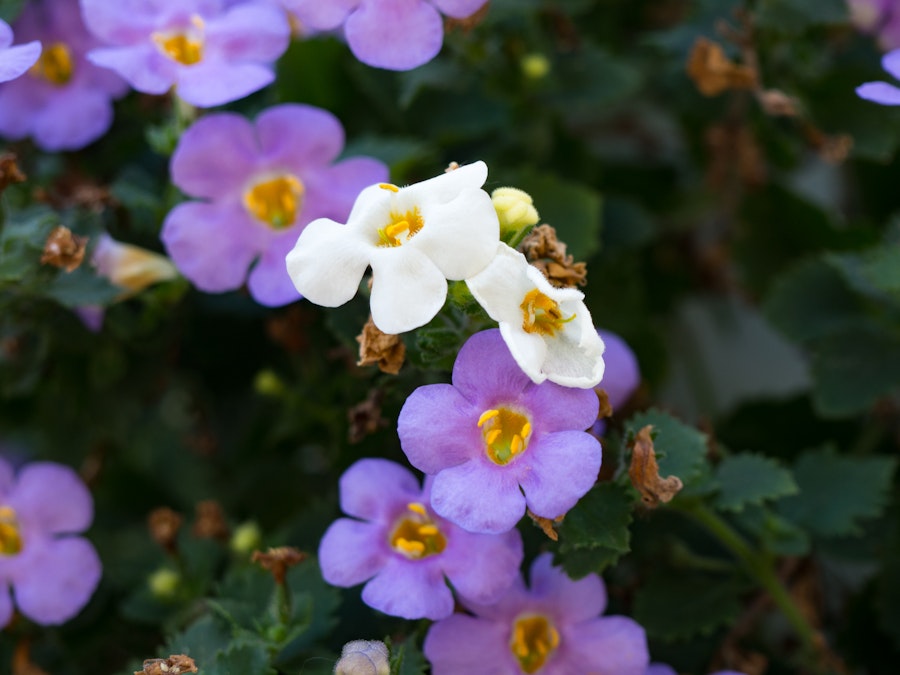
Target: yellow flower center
point(55, 64)
point(506, 434)
point(416, 535)
point(10, 537)
point(185, 47)
point(275, 202)
point(534, 639)
point(541, 314)
point(402, 226)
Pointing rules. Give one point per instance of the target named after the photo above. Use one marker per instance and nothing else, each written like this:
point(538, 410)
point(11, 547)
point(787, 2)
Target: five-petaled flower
point(15, 60)
point(52, 572)
point(260, 184)
point(493, 434)
point(404, 551)
point(553, 628)
point(211, 51)
point(414, 238)
point(548, 330)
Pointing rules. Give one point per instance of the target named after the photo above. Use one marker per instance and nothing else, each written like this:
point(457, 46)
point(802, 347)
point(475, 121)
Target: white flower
point(414, 238)
point(363, 657)
point(548, 330)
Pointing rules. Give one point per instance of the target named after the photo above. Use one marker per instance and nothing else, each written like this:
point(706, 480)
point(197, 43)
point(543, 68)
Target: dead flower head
point(714, 73)
point(546, 252)
point(375, 347)
point(209, 522)
point(164, 524)
point(279, 560)
point(644, 472)
point(176, 664)
point(64, 249)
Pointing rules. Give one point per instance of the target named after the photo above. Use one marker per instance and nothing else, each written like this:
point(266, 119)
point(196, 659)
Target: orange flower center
point(506, 434)
point(416, 535)
point(185, 47)
point(55, 64)
point(533, 640)
point(402, 226)
point(10, 537)
point(541, 314)
point(275, 202)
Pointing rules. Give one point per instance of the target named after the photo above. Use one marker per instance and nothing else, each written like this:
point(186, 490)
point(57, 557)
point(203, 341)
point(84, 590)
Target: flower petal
point(51, 498)
point(395, 34)
point(15, 61)
point(411, 589)
point(459, 9)
point(879, 92)
point(75, 119)
point(320, 15)
point(891, 63)
point(437, 428)
point(574, 601)
point(375, 489)
point(251, 32)
point(558, 408)
point(331, 192)
point(477, 497)
point(485, 370)
point(613, 645)
point(352, 552)
point(142, 66)
point(482, 567)
point(445, 187)
point(209, 83)
point(408, 290)
point(299, 135)
point(269, 282)
point(466, 644)
point(622, 374)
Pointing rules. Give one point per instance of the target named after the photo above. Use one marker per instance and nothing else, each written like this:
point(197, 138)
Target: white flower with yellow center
point(414, 238)
point(548, 330)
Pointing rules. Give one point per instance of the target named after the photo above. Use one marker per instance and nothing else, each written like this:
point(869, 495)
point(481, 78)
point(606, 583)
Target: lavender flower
point(212, 52)
point(405, 551)
point(15, 61)
point(260, 185)
point(620, 377)
point(555, 628)
point(883, 92)
point(52, 572)
point(64, 101)
point(390, 34)
point(493, 434)
point(878, 17)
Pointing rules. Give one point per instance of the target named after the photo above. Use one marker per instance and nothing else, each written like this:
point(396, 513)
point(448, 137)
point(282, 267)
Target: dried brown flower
point(176, 664)
point(209, 522)
point(606, 409)
point(164, 524)
point(64, 249)
point(644, 472)
point(365, 418)
point(290, 328)
point(375, 347)
point(546, 252)
point(279, 560)
point(9, 171)
point(777, 104)
point(546, 524)
point(733, 150)
point(21, 660)
point(714, 73)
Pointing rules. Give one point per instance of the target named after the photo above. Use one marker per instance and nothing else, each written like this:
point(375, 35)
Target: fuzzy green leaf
point(246, 659)
point(407, 659)
point(794, 16)
point(746, 479)
point(599, 520)
point(680, 449)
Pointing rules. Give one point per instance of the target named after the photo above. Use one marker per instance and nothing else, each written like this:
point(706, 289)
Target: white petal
point(575, 356)
point(408, 290)
point(443, 188)
point(502, 285)
point(529, 350)
point(327, 263)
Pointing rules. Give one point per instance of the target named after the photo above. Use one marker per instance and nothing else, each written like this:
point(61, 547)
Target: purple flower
point(879, 17)
point(393, 34)
point(52, 572)
point(555, 628)
point(64, 101)
point(210, 51)
point(883, 92)
point(260, 185)
point(15, 61)
point(621, 376)
point(663, 669)
point(494, 433)
point(405, 551)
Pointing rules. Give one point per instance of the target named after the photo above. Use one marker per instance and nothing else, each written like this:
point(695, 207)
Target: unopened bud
point(268, 383)
point(363, 657)
point(535, 66)
point(515, 209)
point(246, 538)
point(164, 583)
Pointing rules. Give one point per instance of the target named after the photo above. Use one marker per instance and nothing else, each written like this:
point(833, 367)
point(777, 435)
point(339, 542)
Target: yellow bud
point(268, 383)
point(535, 66)
point(164, 583)
point(515, 209)
point(246, 538)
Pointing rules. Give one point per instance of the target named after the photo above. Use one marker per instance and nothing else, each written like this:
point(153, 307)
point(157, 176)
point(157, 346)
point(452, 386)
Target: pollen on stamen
point(416, 507)
point(388, 186)
point(427, 530)
point(486, 415)
point(492, 436)
point(515, 447)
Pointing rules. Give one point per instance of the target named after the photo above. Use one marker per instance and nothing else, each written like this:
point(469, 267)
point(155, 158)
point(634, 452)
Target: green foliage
point(746, 479)
point(680, 449)
point(595, 533)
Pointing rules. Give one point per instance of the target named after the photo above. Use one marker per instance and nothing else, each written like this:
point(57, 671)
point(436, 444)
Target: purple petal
point(215, 157)
point(622, 374)
point(331, 191)
point(58, 580)
point(375, 489)
point(891, 63)
point(6, 35)
point(466, 644)
point(7, 477)
point(486, 373)
point(269, 282)
point(295, 135)
point(142, 66)
point(210, 244)
point(613, 645)
point(573, 601)
point(558, 408)
point(19, 100)
point(459, 9)
point(438, 428)
point(320, 15)
point(558, 470)
point(248, 32)
point(15, 61)
point(411, 589)
point(477, 497)
point(395, 34)
point(51, 498)
point(659, 669)
point(352, 552)
point(75, 118)
point(207, 84)
point(124, 22)
point(879, 92)
point(482, 567)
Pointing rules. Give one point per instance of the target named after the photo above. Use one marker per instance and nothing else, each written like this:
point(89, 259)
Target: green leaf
point(777, 534)
point(81, 287)
point(747, 479)
point(674, 607)
point(202, 640)
point(600, 519)
point(836, 492)
point(680, 449)
point(245, 659)
point(407, 659)
point(794, 16)
point(875, 271)
point(22, 242)
point(580, 563)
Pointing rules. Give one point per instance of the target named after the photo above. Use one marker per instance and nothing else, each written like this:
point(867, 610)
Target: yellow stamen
point(185, 47)
point(55, 64)
point(486, 415)
point(414, 549)
point(389, 186)
point(516, 446)
point(491, 437)
point(533, 641)
point(416, 535)
point(416, 507)
point(541, 314)
point(428, 530)
point(275, 202)
point(505, 433)
point(10, 536)
point(401, 229)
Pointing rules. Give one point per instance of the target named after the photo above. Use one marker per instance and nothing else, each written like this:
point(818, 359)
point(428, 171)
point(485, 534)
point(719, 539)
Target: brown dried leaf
point(176, 664)
point(546, 524)
point(209, 522)
point(714, 73)
point(21, 660)
point(644, 472)
point(279, 560)
point(64, 249)
point(375, 347)
point(9, 171)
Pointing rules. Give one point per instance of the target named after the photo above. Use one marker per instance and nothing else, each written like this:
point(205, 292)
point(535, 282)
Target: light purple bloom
point(884, 92)
point(555, 628)
point(63, 102)
point(15, 61)
point(621, 376)
point(878, 17)
point(52, 572)
point(260, 184)
point(405, 551)
point(663, 669)
point(211, 52)
point(393, 34)
point(494, 433)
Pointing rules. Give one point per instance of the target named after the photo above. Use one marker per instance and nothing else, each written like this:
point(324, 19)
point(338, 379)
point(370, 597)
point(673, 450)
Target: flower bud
point(535, 66)
point(164, 583)
point(515, 209)
point(363, 657)
point(246, 538)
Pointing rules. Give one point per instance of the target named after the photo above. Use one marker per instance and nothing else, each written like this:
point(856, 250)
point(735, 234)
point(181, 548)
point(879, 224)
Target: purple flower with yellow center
point(494, 434)
point(15, 61)
point(621, 376)
point(211, 51)
point(260, 184)
point(553, 628)
point(63, 102)
point(52, 572)
point(392, 34)
point(404, 551)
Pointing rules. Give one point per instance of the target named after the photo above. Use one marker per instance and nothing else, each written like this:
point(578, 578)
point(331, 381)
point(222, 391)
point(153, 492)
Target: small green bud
point(246, 538)
point(535, 66)
point(363, 657)
point(164, 583)
point(515, 209)
point(268, 383)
